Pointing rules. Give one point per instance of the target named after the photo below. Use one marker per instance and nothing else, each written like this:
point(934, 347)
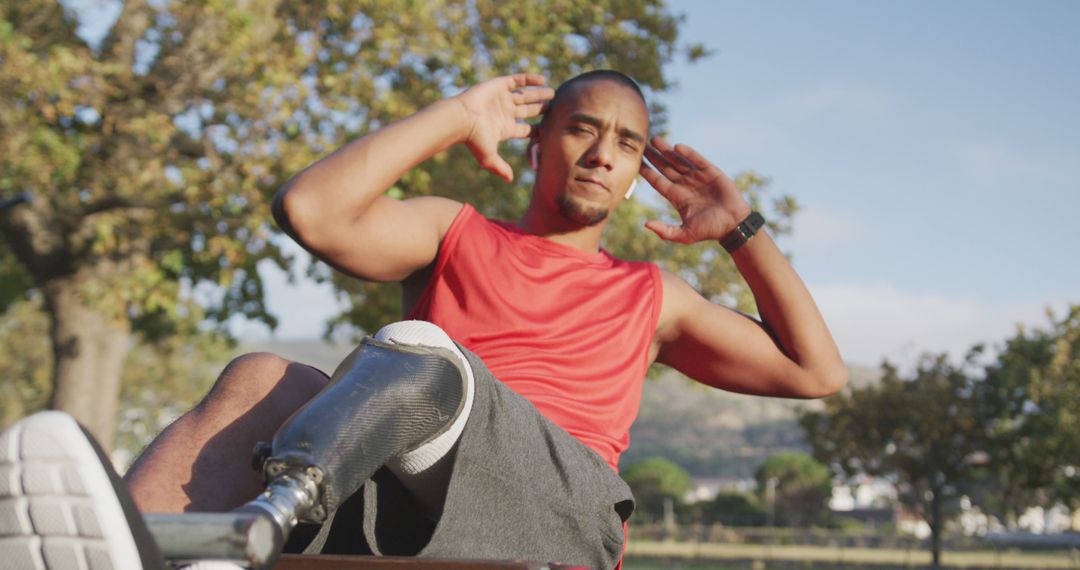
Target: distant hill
point(710, 433)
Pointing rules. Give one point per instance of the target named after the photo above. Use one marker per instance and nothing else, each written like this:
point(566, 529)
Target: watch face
point(755, 221)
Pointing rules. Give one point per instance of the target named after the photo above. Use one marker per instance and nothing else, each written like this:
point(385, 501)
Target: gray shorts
point(520, 488)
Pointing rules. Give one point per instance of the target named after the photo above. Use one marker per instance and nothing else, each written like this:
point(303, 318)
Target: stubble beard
point(579, 213)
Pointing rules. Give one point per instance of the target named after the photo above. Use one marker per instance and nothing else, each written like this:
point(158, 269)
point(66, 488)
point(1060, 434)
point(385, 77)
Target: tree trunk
point(89, 349)
point(936, 527)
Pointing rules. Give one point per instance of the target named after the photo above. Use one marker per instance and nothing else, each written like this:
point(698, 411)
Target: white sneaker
point(62, 506)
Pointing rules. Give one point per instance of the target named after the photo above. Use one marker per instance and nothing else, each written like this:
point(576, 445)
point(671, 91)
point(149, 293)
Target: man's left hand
point(707, 200)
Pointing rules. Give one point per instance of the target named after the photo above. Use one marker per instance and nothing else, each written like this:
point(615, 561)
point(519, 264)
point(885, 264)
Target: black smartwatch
point(743, 232)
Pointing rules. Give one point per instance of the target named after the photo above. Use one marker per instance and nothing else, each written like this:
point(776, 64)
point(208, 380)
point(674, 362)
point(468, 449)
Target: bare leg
point(202, 462)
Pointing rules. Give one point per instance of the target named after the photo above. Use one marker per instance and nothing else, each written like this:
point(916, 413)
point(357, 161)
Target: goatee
point(578, 212)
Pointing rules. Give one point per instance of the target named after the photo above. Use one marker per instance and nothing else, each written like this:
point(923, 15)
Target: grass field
point(648, 555)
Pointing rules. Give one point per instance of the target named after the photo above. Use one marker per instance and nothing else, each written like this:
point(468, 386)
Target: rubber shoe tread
point(62, 506)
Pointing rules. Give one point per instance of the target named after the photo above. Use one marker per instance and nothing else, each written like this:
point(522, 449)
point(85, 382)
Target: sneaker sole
point(59, 503)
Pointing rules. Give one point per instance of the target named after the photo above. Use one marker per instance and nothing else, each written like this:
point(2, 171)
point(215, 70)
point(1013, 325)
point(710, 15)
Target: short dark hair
point(568, 86)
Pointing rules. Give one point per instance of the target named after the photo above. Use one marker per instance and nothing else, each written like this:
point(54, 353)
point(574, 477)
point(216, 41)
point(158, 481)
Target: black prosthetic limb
point(394, 398)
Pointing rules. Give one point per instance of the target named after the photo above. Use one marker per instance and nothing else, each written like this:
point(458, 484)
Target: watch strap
point(743, 232)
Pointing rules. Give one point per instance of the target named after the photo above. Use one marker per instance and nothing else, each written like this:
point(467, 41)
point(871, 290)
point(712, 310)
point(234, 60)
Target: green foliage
point(162, 379)
point(1030, 399)
point(14, 281)
point(25, 361)
point(652, 481)
point(731, 509)
point(1008, 438)
point(798, 488)
point(920, 431)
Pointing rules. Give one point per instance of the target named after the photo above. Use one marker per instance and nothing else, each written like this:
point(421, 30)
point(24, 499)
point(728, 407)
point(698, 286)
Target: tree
point(732, 509)
point(923, 432)
point(654, 481)
point(153, 151)
point(1029, 397)
point(162, 379)
point(150, 155)
point(797, 489)
point(24, 362)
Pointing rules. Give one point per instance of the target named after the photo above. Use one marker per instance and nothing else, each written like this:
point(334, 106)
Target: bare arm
point(336, 208)
point(790, 353)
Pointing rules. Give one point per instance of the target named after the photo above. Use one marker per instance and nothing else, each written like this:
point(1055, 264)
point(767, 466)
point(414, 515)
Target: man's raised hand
point(495, 109)
point(707, 200)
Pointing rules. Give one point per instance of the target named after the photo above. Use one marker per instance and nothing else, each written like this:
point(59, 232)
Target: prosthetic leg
point(403, 394)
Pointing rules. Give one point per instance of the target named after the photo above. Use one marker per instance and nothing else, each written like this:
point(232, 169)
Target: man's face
point(591, 149)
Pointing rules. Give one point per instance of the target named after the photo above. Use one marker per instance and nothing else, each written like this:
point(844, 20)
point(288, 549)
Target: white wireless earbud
point(630, 192)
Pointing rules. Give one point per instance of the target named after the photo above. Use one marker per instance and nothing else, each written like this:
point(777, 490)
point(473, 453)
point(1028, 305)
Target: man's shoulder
point(438, 211)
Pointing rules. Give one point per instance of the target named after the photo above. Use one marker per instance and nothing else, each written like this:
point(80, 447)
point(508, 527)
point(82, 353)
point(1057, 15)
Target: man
point(554, 317)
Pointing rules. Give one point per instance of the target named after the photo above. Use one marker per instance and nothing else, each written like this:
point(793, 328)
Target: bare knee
point(257, 377)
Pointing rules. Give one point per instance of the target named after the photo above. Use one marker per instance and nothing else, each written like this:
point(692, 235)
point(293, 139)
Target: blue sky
point(934, 148)
point(933, 145)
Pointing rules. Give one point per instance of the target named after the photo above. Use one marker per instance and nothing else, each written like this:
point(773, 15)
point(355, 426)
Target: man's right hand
point(337, 208)
point(494, 110)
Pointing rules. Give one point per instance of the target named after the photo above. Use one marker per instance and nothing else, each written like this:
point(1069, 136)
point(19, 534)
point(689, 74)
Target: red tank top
point(568, 330)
